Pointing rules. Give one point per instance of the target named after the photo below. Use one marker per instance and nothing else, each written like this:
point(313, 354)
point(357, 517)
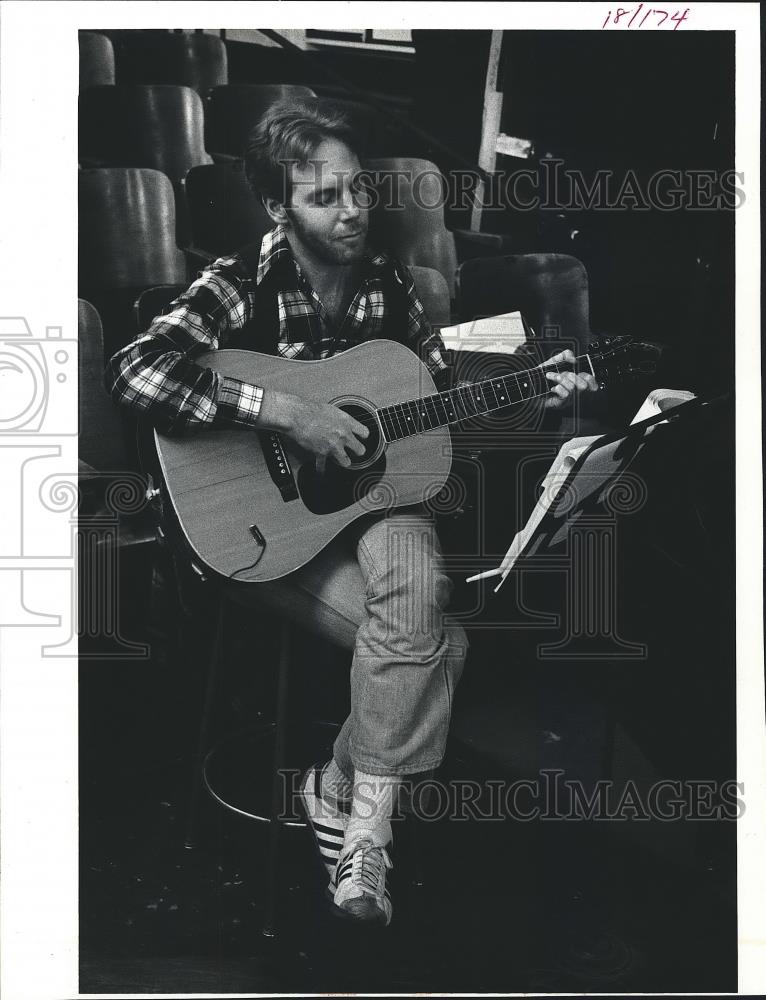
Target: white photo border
point(38, 282)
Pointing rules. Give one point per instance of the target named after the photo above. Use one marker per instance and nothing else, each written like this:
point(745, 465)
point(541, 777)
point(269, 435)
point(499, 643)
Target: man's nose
point(350, 208)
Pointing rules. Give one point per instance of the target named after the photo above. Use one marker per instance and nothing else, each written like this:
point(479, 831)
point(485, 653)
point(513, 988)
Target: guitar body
point(250, 519)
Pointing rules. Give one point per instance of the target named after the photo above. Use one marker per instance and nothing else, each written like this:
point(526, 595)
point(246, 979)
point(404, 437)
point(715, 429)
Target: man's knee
point(408, 590)
point(457, 650)
point(412, 604)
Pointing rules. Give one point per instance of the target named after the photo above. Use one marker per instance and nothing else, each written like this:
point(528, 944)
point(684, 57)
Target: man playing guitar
point(312, 289)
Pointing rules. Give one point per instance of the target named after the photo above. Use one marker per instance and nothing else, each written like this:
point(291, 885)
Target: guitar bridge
point(278, 465)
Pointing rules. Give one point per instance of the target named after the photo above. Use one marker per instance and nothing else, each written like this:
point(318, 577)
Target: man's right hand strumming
point(322, 429)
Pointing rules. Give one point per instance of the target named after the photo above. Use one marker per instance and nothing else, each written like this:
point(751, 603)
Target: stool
point(188, 575)
point(276, 817)
point(200, 775)
point(307, 598)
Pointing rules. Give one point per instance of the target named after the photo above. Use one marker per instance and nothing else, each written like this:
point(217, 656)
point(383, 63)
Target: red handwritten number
point(621, 12)
point(606, 19)
point(645, 17)
point(664, 15)
point(679, 18)
point(638, 11)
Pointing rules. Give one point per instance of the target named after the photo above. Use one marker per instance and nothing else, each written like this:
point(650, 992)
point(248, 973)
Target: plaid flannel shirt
point(157, 375)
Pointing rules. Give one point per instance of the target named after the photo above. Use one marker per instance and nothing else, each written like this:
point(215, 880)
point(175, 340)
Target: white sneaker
point(361, 883)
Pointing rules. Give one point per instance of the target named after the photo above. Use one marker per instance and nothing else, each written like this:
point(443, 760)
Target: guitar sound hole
point(372, 445)
point(337, 487)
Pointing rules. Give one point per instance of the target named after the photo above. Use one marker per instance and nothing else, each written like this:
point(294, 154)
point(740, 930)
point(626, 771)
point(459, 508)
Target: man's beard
point(329, 251)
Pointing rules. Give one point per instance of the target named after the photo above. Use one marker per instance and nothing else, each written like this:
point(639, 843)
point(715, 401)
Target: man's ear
point(276, 210)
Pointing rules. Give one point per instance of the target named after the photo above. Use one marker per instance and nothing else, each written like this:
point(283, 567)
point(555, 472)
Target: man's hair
point(290, 131)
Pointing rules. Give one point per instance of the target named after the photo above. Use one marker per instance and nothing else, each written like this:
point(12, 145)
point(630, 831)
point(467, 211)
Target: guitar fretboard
point(413, 416)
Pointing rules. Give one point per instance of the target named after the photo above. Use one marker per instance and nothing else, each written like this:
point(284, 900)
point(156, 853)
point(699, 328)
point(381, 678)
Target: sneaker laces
point(368, 867)
point(362, 872)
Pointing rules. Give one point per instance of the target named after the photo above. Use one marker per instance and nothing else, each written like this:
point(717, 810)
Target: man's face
point(327, 214)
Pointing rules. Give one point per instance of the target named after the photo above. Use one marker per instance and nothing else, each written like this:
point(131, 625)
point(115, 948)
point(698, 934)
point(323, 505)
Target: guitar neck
point(415, 416)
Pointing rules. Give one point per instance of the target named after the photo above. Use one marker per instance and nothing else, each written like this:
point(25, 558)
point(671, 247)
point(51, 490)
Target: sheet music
point(656, 402)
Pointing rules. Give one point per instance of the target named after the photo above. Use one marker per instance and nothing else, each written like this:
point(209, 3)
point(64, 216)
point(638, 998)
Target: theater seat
point(195, 60)
point(116, 535)
point(100, 440)
point(224, 214)
point(96, 60)
point(160, 127)
point(549, 289)
point(127, 243)
point(433, 293)
point(408, 218)
point(232, 111)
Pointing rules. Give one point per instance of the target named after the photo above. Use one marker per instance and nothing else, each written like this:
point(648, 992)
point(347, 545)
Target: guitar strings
point(390, 409)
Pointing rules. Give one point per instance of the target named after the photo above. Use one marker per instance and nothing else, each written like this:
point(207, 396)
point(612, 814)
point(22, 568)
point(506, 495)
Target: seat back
point(198, 61)
point(378, 135)
point(127, 243)
point(101, 436)
point(433, 293)
point(159, 127)
point(127, 226)
point(550, 290)
point(96, 60)
point(408, 218)
point(232, 111)
point(224, 214)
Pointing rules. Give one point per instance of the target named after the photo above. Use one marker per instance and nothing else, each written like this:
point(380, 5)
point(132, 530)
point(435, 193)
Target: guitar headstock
point(620, 358)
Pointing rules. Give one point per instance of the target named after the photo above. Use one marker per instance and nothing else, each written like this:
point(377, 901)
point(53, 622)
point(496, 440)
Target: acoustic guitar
point(253, 506)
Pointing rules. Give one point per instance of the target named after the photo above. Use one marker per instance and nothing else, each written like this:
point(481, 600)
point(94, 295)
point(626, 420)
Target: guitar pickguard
point(337, 488)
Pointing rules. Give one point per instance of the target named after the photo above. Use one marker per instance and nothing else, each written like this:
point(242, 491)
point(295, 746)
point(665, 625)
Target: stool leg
point(216, 648)
point(277, 803)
